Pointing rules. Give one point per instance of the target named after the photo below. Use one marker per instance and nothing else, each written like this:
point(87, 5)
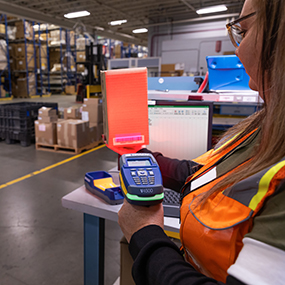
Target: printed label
point(42, 127)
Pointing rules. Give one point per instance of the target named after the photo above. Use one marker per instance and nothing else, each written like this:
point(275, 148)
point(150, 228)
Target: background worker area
point(232, 213)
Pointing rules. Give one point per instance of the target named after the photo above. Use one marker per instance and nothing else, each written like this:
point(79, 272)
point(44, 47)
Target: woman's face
point(250, 48)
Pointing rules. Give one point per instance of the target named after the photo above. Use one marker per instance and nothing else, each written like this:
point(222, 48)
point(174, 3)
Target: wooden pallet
point(66, 149)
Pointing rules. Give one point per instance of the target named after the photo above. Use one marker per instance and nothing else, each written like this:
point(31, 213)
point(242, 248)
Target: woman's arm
point(158, 261)
point(174, 172)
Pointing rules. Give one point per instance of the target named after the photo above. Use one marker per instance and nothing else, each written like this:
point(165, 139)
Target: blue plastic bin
point(226, 73)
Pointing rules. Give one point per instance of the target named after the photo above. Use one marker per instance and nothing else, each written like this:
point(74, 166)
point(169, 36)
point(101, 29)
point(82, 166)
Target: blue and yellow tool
point(101, 184)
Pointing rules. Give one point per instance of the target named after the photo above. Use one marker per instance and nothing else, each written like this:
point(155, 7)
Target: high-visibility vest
point(211, 232)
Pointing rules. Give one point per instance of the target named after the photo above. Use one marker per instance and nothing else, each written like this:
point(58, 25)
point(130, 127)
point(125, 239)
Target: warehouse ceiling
point(139, 14)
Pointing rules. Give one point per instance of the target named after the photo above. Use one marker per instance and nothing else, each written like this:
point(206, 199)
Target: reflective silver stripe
point(251, 190)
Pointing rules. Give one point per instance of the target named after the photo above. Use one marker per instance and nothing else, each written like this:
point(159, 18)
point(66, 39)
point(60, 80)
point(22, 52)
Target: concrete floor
point(41, 243)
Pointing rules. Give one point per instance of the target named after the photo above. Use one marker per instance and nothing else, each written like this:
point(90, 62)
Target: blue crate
point(226, 73)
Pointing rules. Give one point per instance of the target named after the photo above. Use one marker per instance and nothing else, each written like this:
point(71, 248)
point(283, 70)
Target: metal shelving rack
point(36, 90)
point(6, 71)
point(43, 73)
point(58, 79)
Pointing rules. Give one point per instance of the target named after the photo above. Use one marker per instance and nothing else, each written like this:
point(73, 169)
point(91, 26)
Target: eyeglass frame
point(230, 24)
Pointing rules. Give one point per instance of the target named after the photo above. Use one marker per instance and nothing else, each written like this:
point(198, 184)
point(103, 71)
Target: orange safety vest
point(212, 232)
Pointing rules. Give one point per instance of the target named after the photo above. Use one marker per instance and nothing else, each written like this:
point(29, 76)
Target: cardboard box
point(95, 133)
point(48, 119)
point(47, 112)
point(92, 110)
point(12, 64)
point(22, 32)
point(80, 56)
point(43, 64)
point(25, 90)
point(171, 70)
point(44, 36)
point(11, 48)
point(2, 29)
point(2, 92)
point(80, 68)
point(45, 133)
point(54, 56)
point(57, 35)
point(14, 89)
point(73, 133)
point(72, 113)
point(3, 55)
point(21, 62)
point(20, 49)
point(81, 43)
point(117, 51)
point(43, 50)
point(70, 89)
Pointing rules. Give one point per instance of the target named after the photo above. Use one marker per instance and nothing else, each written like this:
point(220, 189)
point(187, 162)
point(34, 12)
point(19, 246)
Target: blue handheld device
point(141, 179)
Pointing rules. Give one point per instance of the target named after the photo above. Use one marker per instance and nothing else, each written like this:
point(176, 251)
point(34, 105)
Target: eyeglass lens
point(237, 33)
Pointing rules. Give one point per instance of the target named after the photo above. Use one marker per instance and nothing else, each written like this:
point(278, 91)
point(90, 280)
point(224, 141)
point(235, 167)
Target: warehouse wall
point(189, 44)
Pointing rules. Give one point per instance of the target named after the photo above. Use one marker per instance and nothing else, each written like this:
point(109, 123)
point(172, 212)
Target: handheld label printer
point(141, 179)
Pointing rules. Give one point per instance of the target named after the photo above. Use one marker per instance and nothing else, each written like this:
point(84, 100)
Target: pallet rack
point(6, 71)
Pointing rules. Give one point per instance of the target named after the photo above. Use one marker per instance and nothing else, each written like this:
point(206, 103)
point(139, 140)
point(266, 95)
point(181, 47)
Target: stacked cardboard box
point(117, 51)
point(2, 91)
point(80, 56)
point(172, 70)
point(21, 50)
point(70, 90)
point(80, 67)
point(72, 113)
point(3, 56)
point(12, 56)
point(24, 31)
point(81, 43)
point(73, 133)
point(92, 111)
point(54, 56)
point(41, 53)
point(57, 37)
point(47, 115)
point(45, 126)
point(26, 88)
point(2, 29)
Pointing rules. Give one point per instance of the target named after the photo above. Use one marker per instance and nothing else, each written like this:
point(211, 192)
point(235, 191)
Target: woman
point(232, 214)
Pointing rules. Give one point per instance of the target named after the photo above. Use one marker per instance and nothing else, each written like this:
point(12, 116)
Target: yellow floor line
point(49, 167)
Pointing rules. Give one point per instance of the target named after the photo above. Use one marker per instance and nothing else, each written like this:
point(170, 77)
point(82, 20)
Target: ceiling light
point(139, 31)
point(212, 9)
point(77, 14)
point(118, 22)
point(99, 28)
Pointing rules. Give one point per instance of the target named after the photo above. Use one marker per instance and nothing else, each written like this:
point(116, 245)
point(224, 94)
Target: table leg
point(94, 243)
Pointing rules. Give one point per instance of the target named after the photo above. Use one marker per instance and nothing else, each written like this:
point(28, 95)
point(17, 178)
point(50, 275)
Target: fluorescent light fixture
point(77, 14)
point(117, 22)
point(212, 9)
point(139, 31)
point(99, 28)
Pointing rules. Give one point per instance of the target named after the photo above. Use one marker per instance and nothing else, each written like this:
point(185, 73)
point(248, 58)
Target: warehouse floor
point(41, 243)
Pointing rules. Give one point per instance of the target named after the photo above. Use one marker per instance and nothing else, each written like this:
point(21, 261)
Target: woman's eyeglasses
point(235, 31)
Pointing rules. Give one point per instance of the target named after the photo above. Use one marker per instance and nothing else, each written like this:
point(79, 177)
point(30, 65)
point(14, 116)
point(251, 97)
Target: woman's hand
point(132, 218)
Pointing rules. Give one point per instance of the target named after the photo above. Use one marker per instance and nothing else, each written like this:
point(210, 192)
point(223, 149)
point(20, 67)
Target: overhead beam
point(38, 17)
point(32, 15)
point(188, 5)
